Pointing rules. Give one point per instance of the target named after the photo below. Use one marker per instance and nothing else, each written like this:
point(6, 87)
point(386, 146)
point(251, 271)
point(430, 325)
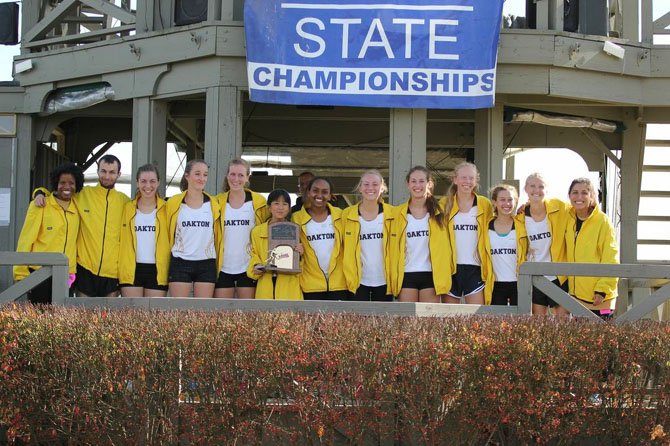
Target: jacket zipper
point(104, 232)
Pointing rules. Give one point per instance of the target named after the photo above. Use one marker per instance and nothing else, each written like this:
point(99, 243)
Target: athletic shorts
point(418, 281)
point(366, 293)
point(466, 281)
point(191, 271)
point(240, 280)
point(505, 293)
point(146, 277)
point(539, 298)
point(92, 285)
point(326, 295)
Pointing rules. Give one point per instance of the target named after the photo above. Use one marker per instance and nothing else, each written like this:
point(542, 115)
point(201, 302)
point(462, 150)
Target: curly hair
point(67, 168)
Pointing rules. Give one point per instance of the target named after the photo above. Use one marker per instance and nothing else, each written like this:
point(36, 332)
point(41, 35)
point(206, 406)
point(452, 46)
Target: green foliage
point(148, 377)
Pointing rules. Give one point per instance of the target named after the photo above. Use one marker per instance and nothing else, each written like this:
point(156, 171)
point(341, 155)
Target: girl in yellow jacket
point(367, 241)
point(545, 221)
point(52, 228)
point(322, 276)
point(241, 211)
point(590, 239)
point(506, 245)
point(421, 253)
point(145, 246)
point(272, 285)
point(469, 215)
point(194, 221)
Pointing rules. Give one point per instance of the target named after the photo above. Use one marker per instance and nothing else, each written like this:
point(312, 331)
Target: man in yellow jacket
point(101, 210)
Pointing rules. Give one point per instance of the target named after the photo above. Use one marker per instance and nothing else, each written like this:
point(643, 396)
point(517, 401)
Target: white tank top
point(417, 248)
point(321, 237)
point(145, 233)
point(237, 228)
point(503, 255)
point(194, 234)
point(465, 232)
point(539, 240)
point(372, 251)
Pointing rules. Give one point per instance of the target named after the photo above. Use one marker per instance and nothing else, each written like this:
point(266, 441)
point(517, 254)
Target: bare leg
point(180, 289)
point(132, 291)
point(226, 293)
point(154, 293)
point(246, 293)
point(449, 299)
point(475, 298)
point(428, 295)
point(203, 289)
point(540, 309)
point(408, 295)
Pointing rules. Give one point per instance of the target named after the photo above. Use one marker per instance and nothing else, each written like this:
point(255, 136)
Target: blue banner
point(401, 54)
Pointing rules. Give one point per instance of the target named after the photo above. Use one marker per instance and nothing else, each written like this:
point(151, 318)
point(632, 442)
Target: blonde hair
point(382, 184)
point(451, 192)
point(536, 176)
point(236, 162)
point(432, 205)
point(501, 187)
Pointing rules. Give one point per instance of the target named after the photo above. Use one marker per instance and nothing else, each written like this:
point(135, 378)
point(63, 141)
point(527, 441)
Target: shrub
point(184, 377)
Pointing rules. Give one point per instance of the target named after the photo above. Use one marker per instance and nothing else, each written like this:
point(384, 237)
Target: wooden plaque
point(282, 239)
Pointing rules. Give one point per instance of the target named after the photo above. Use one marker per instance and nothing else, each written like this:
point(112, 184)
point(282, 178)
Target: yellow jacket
point(440, 252)
point(595, 243)
point(288, 285)
point(557, 219)
point(100, 211)
point(484, 215)
point(352, 246)
point(128, 251)
point(172, 213)
point(49, 229)
point(521, 253)
point(312, 279)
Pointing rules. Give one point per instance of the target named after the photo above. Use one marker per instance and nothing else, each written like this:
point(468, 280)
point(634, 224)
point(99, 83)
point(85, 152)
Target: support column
point(646, 21)
point(630, 16)
point(510, 163)
point(149, 138)
point(407, 148)
point(632, 158)
point(26, 147)
point(489, 146)
point(223, 133)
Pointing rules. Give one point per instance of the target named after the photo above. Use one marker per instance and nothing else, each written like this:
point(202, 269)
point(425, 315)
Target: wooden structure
point(138, 77)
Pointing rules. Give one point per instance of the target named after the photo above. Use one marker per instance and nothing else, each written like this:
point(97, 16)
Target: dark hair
point(147, 168)
point(109, 159)
point(432, 205)
point(279, 193)
point(67, 168)
point(315, 179)
point(183, 184)
point(591, 188)
point(305, 173)
point(495, 191)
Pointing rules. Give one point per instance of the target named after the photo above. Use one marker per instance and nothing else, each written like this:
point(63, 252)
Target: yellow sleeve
point(256, 254)
point(29, 232)
point(41, 190)
point(609, 255)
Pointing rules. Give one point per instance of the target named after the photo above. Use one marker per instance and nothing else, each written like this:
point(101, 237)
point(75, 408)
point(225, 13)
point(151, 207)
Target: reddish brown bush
point(142, 377)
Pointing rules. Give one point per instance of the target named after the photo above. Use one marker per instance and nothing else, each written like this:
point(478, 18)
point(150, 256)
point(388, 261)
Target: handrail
point(54, 265)
point(532, 273)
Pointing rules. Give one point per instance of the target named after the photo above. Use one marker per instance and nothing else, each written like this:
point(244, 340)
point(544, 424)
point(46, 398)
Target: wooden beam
point(74, 38)
point(111, 9)
point(49, 21)
point(23, 286)
point(600, 145)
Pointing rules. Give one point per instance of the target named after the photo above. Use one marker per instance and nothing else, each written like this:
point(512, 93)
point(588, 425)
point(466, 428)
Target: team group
point(462, 248)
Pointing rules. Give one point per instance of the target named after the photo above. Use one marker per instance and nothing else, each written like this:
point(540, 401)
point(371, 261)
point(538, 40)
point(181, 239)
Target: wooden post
point(149, 137)
point(407, 148)
point(489, 145)
point(632, 158)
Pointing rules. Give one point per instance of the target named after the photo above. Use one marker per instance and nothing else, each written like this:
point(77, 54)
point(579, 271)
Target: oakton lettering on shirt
point(540, 236)
point(195, 224)
point(372, 236)
point(144, 228)
point(465, 227)
point(412, 234)
point(502, 251)
point(237, 223)
point(315, 237)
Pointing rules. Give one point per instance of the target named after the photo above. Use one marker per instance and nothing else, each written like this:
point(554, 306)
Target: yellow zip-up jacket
point(557, 219)
point(172, 211)
point(595, 243)
point(521, 253)
point(312, 278)
point(287, 285)
point(100, 210)
point(129, 243)
point(438, 244)
point(353, 268)
point(484, 215)
point(49, 229)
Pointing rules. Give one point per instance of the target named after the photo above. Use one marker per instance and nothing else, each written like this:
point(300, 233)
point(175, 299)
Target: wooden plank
point(657, 298)
point(656, 168)
point(74, 38)
point(661, 23)
point(564, 299)
point(653, 218)
point(638, 271)
point(110, 9)
point(49, 21)
point(655, 193)
point(32, 258)
point(525, 294)
point(598, 143)
point(23, 286)
point(657, 142)
point(59, 280)
point(653, 242)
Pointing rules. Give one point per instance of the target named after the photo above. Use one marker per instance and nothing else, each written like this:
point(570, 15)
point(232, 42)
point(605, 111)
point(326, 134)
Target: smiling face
point(371, 187)
point(465, 179)
point(534, 189)
point(147, 184)
point(419, 185)
point(237, 177)
point(504, 203)
point(582, 199)
point(66, 187)
point(108, 173)
point(197, 177)
point(279, 209)
point(319, 194)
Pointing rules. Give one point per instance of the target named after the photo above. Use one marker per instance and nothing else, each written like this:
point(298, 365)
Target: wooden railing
point(55, 265)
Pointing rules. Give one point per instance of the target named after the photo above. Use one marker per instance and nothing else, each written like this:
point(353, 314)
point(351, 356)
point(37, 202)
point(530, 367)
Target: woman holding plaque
point(367, 241)
point(419, 239)
point(322, 276)
point(272, 284)
point(241, 211)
